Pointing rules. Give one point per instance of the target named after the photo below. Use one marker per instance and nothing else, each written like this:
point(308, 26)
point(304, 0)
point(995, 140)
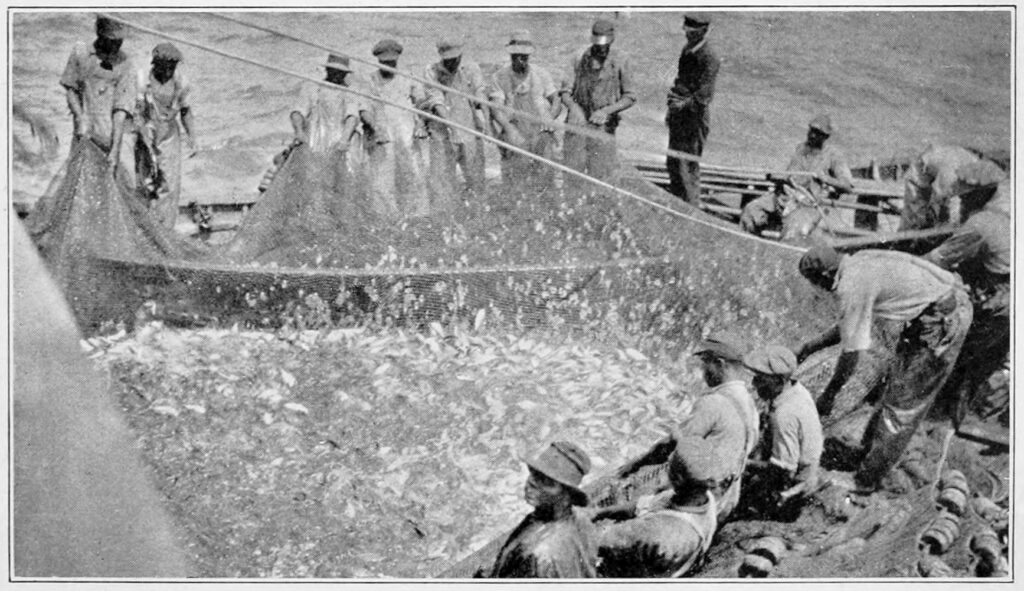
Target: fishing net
point(568, 254)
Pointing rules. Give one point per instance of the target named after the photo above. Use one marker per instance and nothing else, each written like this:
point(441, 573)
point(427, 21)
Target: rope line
point(485, 137)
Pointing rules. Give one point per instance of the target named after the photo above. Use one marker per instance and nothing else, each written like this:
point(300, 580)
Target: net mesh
point(568, 254)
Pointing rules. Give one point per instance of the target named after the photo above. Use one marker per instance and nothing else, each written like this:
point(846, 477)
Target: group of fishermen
point(947, 311)
point(108, 100)
point(943, 337)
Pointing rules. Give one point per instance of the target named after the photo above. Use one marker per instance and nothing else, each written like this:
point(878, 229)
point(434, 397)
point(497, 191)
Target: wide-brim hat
point(822, 123)
point(338, 62)
point(773, 360)
point(696, 20)
point(566, 464)
point(723, 345)
point(521, 43)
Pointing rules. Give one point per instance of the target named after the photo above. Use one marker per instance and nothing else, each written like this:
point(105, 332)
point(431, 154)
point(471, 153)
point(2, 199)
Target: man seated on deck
point(826, 176)
point(666, 535)
point(725, 416)
point(787, 469)
point(555, 541)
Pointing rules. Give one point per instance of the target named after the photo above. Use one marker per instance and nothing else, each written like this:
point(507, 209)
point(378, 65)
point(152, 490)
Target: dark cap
point(167, 52)
point(521, 43)
point(110, 29)
point(602, 33)
point(722, 345)
point(387, 49)
point(696, 20)
point(338, 62)
point(822, 123)
point(819, 260)
point(565, 463)
point(774, 360)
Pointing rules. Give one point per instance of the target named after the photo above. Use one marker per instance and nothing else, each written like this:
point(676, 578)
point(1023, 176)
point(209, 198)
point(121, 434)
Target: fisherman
point(163, 100)
point(100, 83)
point(689, 103)
point(667, 534)
point(555, 541)
point(935, 312)
point(929, 199)
point(725, 415)
point(827, 176)
point(457, 72)
point(529, 89)
point(602, 88)
point(391, 151)
point(326, 121)
point(787, 470)
point(979, 251)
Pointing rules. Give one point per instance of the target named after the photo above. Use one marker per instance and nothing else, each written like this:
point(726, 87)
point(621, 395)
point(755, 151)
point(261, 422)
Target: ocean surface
point(892, 81)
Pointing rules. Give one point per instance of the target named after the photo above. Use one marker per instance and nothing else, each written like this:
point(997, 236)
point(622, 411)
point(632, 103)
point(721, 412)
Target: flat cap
point(338, 62)
point(822, 123)
point(521, 43)
point(602, 33)
point(167, 52)
point(696, 20)
point(387, 49)
point(774, 360)
point(110, 29)
point(724, 345)
point(449, 48)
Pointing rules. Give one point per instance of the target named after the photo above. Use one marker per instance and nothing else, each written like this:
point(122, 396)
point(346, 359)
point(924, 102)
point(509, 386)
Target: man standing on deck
point(725, 415)
point(164, 99)
point(100, 84)
point(456, 72)
point(689, 107)
point(827, 176)
point(395, 166)
point(979, 251)
point(935, 313)
point(602, 88)
point(527, 88)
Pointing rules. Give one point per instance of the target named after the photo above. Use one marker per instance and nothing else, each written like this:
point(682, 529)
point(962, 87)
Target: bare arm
point(77, 112)
point(827, 339)
point(114, 157)
point(844, 369)
point(188, 124)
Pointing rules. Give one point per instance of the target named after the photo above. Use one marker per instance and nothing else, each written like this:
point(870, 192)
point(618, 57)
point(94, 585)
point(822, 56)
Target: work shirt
point(159, 103)
point(930, 183)
point(983, 242)
point(797, 441)
point(696, 74)
point(467, 78)
point(399, 124)
point(827, 160)
point(102, 91)
point(597, 85)
point(530, 92)
point(714, 417)
point(325, 110)
point(885, 284)
point(561, 549)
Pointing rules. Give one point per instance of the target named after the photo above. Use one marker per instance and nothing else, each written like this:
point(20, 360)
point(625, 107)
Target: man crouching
point(555, 541)
point(665, 535)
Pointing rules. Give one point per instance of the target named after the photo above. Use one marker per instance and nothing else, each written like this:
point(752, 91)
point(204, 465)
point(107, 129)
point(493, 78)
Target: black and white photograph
point(479, 294)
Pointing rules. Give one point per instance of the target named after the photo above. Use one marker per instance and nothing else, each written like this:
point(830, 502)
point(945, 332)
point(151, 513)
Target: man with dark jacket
point(689, 102)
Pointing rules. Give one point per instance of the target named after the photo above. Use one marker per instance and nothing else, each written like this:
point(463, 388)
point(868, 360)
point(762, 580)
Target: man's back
point(564, 548)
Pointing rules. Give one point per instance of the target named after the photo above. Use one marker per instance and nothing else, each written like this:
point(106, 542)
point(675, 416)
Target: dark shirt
point(695, 78)
point(562, 549)
point(596, 88)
